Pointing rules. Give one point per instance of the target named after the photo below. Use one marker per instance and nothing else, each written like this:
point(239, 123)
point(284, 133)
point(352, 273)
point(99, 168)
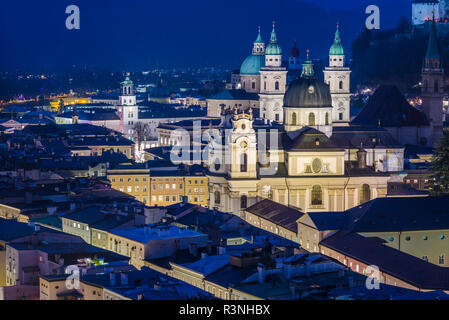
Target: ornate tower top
point(307, 67)
point(336, 48)
point(273, 48)
point(259, 45)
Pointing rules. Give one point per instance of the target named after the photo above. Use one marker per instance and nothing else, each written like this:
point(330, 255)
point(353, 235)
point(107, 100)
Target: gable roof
point(311, 139)
point(389, 107)
point(279, 214)
point(371, 251)
point(401, 214)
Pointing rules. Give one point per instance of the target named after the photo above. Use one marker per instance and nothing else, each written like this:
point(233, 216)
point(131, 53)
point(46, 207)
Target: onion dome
point(336, 48)
point(273, 48)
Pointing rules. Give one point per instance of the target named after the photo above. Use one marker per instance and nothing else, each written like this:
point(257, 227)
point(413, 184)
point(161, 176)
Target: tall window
point(244, 162)
point(317, 195)
point(365, 194)
point(294, 118)
point(253, 85)
point(435, 86)
point(340, 85)
point(311, 119)
point(276, 85)
point(267, 192)
point(243, 202)
point(217, 197)
point(327, 118)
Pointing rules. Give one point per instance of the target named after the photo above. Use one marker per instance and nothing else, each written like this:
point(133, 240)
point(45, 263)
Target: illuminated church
point(314, 160)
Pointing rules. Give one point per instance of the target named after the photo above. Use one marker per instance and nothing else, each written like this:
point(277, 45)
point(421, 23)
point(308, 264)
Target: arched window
point(311, 119)
point(365, 194)
point(265, 85)
point(253, 85)
point(244, 162)
point(317, 195)
point(243, 202)
point(294, 118)
point(340, 85)
point(217, 197)
point(327, 118)
point(276, 85)
point(217, 164)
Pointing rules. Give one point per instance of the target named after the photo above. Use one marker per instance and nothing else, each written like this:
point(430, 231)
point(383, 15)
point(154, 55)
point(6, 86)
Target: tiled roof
point(371, 251)
point(276, 213)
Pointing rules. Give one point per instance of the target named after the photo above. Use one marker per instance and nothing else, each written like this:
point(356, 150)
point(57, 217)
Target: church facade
point(294, 161)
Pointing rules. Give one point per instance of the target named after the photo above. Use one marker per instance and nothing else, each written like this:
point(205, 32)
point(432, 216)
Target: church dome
point(273, 49)
point(308, 92)
point(252, 64)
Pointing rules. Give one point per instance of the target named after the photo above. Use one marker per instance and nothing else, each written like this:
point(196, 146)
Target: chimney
point(193, 249)
point(72, 206)
point(209, 247)
point(37, 228)
point(307, 266)
point(221, 250)
point(140, 296)
point(112, 279)
point(361, 157)
point(351, 282)
point(124, 278)
point(260, 273)
point(203, 255)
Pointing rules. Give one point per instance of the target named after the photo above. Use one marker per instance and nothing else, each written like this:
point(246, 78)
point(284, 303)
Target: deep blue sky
point(140, 34)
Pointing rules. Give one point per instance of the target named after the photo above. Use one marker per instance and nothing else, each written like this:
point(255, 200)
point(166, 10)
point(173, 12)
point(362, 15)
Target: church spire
point(336, 48)
point(259, 45)
point(273, 38)
point(432, 46)
point(259, 37)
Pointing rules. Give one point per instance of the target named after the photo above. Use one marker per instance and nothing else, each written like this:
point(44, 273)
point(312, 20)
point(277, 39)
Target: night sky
point(142, 34)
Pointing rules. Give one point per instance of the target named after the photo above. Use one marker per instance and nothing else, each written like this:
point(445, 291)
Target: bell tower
point(337, 76)
point(242, 146)
point(432, 87)
point(127, 108)
point(273, 80)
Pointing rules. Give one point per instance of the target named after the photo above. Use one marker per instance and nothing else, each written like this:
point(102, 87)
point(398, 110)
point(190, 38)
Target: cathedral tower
point(127, 108)
point(337, 76)
point(273, 79)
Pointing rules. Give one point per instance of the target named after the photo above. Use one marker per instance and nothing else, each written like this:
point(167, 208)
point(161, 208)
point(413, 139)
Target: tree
point(439, 182)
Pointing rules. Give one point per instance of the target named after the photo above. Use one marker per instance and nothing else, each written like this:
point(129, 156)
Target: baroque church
point(313, 158)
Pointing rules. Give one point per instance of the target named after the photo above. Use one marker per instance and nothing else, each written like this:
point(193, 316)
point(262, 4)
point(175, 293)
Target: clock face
point(243, 144)
point(311, 89)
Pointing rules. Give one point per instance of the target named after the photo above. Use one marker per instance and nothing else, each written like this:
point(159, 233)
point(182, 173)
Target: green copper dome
point(336, 48)
point(252, 64)
point(273, 48)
